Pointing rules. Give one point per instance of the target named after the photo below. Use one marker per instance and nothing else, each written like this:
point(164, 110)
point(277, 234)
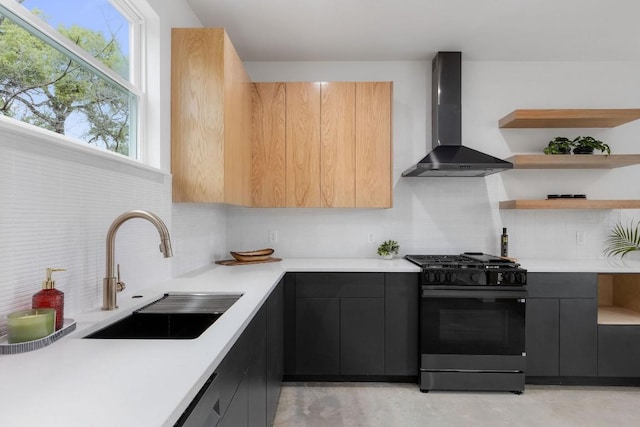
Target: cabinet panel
point(337, 136)
point(197, 123)
point(362, 336)
point(257, 369)
point(317, 338)
point(339, 285)
point(543, 337)
point(618, 350)
point(578, 337)
point(562, 285)
point(401, 324)
point(275, 350)
point(373, 144)
point(303, 144)
point(268, 179)
point(237, 414)
point(210, 118)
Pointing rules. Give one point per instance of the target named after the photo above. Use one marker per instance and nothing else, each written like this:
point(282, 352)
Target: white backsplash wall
point(449, 215)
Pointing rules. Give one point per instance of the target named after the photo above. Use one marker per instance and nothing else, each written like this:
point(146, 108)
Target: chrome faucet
point(112, 284)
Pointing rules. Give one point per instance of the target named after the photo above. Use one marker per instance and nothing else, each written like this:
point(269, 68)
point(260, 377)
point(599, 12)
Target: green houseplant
point(388, 249)
point(623, 240)
point(586, 145)
point(558, 145)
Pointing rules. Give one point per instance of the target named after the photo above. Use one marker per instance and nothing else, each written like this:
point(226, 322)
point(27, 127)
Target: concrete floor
point(390, 405)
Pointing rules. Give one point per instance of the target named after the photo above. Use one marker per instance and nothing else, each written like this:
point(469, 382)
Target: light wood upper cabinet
point(373, 144)
point(210, 118)
point(338, 143)
point(268, 178)
point(303, 144)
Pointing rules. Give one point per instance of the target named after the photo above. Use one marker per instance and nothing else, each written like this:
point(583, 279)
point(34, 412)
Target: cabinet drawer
point(562, 285)
point(618, 350)
point(339, 285)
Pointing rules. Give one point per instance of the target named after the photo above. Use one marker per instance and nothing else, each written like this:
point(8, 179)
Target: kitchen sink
point(174, 316)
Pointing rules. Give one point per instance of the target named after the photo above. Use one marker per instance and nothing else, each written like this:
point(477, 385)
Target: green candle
point(31, 324)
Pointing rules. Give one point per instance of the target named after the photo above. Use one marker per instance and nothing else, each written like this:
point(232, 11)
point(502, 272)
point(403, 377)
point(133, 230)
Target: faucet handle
point(120, 286)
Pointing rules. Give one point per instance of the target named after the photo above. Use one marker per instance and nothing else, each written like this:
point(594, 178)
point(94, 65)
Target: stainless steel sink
point(174, 316)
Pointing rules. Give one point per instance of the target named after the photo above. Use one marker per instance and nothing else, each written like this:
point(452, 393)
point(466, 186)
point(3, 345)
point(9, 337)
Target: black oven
point(472, 338)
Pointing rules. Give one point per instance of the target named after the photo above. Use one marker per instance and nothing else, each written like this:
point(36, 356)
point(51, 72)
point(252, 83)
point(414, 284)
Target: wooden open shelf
point(570, 204)
point(569, 118)
point(618, 299)
point(573, 161)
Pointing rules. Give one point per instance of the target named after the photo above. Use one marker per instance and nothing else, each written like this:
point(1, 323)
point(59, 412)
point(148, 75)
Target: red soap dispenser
point(50, 297)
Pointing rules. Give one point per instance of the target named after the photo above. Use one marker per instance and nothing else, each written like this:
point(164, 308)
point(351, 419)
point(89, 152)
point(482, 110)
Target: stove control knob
point(441, 276)
point(430, 277)
point(510, 278)
point(521, 278)
point(451, 277)
point(476, 277)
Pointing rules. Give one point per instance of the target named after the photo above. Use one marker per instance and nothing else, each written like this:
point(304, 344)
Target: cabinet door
point(618, 350)
point(257, 370)
point(337, 142)
point(401, 324)
point(362, 336)
point(373, 144)
point(543, 337)
point(578, 337)
point(275, 354)
point(303, 144)
point(237, 414)
point(268, 149)
point(317, 339)
point(290, 323)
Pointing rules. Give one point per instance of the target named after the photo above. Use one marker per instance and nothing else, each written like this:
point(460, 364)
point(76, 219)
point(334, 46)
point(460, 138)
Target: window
point(73, 67)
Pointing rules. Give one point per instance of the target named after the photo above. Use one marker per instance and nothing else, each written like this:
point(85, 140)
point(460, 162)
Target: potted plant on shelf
point(623, 240)
point(586, 145)
point(388, 249)
point(559, 145)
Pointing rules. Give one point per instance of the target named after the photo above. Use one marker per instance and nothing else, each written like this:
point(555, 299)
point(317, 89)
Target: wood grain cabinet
point(321, 144)
point(210, 118)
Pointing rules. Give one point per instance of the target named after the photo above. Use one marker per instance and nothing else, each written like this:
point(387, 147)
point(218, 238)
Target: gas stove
point(469, 269)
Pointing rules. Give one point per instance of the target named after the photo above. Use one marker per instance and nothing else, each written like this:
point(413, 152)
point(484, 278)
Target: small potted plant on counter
point(623, 240)
point(559, 145)
point(586, 145)
point(388, 249)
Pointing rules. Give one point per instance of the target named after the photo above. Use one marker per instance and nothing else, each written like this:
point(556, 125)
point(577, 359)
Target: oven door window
point(492, 326)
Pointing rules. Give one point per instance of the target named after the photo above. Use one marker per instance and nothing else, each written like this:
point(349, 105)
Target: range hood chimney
point(449, 157)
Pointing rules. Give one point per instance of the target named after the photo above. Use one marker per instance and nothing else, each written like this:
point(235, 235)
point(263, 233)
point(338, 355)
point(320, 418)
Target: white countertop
point(93, 382)
point(628, 264)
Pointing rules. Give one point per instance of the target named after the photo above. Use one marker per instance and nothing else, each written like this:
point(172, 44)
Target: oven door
point(472, 321)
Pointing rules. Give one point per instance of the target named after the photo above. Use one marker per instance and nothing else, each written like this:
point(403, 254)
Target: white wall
point(56, 204)
point(450, 215)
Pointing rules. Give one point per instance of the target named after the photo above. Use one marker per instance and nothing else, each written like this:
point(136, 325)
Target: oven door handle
point(457, 293)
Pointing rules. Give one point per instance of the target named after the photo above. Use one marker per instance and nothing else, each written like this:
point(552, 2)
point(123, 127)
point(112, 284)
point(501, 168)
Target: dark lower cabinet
point(362, 336)
point(561, 325)
point(350, 325)
point(619, 351)
point(317, 336)
point(245, 387)
point(401, 304)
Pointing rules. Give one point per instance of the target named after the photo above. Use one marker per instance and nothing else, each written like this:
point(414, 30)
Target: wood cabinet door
point(268, 179)
point(237, 128)
point(197, 114)
point(303, 145)
point(373, 144)
point(337, 142)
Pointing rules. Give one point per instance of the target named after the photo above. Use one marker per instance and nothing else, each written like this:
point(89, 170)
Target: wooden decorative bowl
point(259, 255)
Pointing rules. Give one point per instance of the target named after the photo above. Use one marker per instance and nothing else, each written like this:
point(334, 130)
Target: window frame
point(136, 86)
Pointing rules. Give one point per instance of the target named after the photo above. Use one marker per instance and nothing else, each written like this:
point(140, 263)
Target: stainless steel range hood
point(449, 157)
